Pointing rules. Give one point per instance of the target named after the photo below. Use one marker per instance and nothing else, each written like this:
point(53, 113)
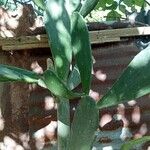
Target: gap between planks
point(96, 37)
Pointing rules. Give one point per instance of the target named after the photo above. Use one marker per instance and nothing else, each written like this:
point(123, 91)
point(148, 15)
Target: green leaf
point(88, 6)
point(109, 2)
point(84, 125)
point(40, 4)
point(113, 15)
point(74, 78)
point(82, 50)
point(63, 124)
point(75, 5)
point(132, 84)
point(57, 87)
point(57, 23)
point(122, 8)
point(129, 3)
point(130, 145)
point(10, 73)
point(101, 4)
point(139, 3)
point(113, 6)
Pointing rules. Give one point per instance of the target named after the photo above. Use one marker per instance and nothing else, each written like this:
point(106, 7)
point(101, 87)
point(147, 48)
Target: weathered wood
point(24, 40)
point(96, 37)
point(24, 46)
point(4, 93)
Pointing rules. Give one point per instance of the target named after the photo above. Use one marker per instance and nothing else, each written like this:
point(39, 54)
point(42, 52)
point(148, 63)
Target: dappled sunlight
point(121, 112)
point(48, 132)
point(95, 95)
point(125, 134)
point(2, 123)
point(100, 75)
point(93, 61)
point(21, 21)
point(5, 33)
point(10, 144)
point(37, 24)
point(58, 10)
point(119, 124)
point(115, 124)
point(136, 114)
point(24, 138)
point(142, 131)
point(49, 103)
point(32, 87)
point(132, 103)
point(39, 139)
point(38, 37)
point(59, 61)
point(36, 67)
point(106, 118)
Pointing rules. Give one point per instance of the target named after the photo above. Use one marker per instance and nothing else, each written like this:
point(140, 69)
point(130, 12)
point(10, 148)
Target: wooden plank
point(127, 32)
point(24, 46)
point(96, 37)
point(24, 40)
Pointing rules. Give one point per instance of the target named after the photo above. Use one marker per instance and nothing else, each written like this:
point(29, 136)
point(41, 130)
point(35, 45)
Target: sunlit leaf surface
point(57, 23)
point(82, 50)
point(9, 73)
point(84, 125)
point(133, 83)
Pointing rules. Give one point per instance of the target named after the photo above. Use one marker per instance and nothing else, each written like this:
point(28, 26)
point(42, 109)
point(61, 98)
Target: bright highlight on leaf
point(74, 5)
point(9, 73)
point(57, 23)
point(132, 84)
point(82, 50)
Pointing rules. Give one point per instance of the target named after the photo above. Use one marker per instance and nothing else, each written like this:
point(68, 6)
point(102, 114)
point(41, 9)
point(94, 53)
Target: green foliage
point(57, 87)
point(68, 37)
point(120, 9)
point(1, 2)
point(82, 50)
point(131, 144)
point(75, 5)
point(58, 28)
point(87, 7)
point(132, 84)
point(9, 73)
point(74, 78)
point(113, 15)
point(40, 3)
point(84, 125)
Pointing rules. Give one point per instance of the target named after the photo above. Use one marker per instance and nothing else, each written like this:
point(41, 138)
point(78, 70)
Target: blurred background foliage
point(106, 10)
